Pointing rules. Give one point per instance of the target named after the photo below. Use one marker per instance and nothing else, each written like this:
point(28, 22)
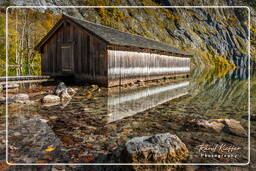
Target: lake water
point(98, 122)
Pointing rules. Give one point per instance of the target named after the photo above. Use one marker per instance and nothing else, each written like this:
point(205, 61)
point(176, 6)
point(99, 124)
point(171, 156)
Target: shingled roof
point(116, 37)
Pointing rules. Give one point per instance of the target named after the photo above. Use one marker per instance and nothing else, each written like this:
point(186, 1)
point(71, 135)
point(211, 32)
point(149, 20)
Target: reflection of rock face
point(29, 139)
point(126, 104)
point(241, 74)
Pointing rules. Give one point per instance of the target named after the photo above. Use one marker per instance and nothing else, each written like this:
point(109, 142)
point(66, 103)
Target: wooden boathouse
point(106, 56)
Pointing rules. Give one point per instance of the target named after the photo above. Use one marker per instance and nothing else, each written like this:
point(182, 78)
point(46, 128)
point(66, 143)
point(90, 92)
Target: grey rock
point(160, 148)
point(20, 98)
point(36, 140)
point(16, 133)
point(61, 87)
point(51, 99)
point(10, 86)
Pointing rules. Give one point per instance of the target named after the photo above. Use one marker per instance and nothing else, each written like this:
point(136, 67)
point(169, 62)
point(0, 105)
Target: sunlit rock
point(160, 148)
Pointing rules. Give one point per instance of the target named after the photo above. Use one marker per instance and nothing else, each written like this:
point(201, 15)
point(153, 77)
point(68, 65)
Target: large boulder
point(51, 99)
point(160, 148)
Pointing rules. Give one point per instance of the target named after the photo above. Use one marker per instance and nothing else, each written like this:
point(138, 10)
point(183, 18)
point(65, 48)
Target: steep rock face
point(218, 37)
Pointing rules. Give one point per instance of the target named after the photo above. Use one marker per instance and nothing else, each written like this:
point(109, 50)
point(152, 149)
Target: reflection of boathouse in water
point(127, 103)
point(106, 56)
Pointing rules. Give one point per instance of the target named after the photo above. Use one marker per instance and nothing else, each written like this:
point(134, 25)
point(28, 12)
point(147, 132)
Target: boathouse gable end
point(72, 50)
point(106, 56)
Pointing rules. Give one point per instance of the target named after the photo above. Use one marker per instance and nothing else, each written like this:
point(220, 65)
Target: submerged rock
point(51, 99)
point(160, 148)
point(216, 126)
point(228, 125)
point(20, 98)
point(2, 100)
point(234, 127)
point(211, 124)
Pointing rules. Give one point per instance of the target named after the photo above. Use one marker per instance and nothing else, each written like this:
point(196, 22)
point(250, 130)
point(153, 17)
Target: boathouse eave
point(147, 50)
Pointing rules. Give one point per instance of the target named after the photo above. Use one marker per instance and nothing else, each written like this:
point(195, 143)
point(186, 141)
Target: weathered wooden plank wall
point(90, 60)
point(125, 65)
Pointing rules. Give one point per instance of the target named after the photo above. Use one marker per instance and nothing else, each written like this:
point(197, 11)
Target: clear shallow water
point(95, 123)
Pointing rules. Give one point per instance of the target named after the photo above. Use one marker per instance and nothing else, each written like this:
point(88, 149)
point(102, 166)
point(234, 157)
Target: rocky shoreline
point(77, 135)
